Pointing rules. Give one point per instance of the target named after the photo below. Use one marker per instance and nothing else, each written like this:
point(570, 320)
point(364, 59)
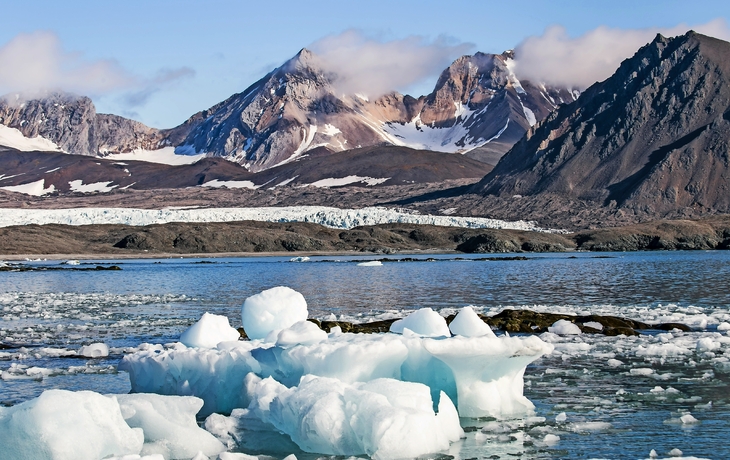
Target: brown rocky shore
point(264, 237)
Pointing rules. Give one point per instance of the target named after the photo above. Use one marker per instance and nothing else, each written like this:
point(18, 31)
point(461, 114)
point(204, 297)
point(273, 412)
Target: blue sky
point(170, 59)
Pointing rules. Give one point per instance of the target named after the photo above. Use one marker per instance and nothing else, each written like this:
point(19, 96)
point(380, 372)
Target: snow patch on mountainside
point(96, 187)
point(36, 188)
point(166, 156)
point(11, 137)
point(329, 217)
point(332, 182)
point(215, 183)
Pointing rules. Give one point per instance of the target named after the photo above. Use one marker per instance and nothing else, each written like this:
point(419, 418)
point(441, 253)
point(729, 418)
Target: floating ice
point(482, 375)
point(424, 322)
point(384, 418)
point(468, 324)
point(95, 350)
point(209, 331)
point(169, 425)
point(61, 425)
point(564, 327)
point(273, 309)
point(724, 326)
point(372, 263)
point(301, 333)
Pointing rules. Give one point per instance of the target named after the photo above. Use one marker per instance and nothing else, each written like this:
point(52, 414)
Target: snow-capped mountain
point(478, 107)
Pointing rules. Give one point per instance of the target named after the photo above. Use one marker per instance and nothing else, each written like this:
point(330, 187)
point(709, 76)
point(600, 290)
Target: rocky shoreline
point(302, 238)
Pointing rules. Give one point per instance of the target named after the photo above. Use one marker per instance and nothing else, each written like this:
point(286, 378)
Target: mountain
point(653, 138)
point(478, 107)
point(71, 122)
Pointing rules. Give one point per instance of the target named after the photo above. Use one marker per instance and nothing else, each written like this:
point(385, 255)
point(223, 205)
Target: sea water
point(595, 396)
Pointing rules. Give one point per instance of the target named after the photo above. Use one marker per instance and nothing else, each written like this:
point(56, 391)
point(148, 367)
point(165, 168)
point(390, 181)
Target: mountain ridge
point(653, 137)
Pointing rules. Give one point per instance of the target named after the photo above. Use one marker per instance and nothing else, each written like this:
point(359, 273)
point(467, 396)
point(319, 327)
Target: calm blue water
point(155, 300)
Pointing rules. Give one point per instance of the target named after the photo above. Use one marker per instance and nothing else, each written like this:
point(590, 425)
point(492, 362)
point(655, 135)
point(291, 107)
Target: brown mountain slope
point(652, 139)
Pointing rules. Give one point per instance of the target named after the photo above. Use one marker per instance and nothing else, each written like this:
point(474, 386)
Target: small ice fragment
point(594, 324)
point(95, 350)
point(675, 452)
point(653, 454)
point(273, 309)
point(614, 362)
point(468, 324)
point(372, 263)
point(688, 419)
point(641, 371)
point(209, 331)
point(301, 333)
point(71, 262)
point(200, 456)
point(564, 327)
point(424, 322)
point(657, 389)
point(724, 326)
point(299, 259)
point(561, 417)
point(706, 344)
point(551, 439)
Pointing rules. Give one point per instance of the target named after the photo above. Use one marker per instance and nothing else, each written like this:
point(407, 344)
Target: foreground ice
point(66, 425)
point(384, 418)
point(482, 375)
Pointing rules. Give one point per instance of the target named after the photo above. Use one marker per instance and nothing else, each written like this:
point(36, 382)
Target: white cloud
point(558, 59)
point(34, 63)
point(374, 67)
point(37, 62)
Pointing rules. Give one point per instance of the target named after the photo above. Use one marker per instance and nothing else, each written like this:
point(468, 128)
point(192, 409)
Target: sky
point(160, 61)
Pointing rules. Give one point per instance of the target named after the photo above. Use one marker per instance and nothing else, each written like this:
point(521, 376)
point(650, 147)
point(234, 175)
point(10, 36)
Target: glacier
point(327, 216)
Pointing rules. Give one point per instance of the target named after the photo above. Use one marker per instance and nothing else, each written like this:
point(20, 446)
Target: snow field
point(329, 217)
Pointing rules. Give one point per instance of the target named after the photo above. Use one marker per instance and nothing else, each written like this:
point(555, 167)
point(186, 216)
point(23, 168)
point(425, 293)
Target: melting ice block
point(66, 425)
point(169, 425)
point(209, 331)
point(468, 324)
point(488, 372)
point(482, 375)
point(273, 309)
point(383, 418)
point(424, 322)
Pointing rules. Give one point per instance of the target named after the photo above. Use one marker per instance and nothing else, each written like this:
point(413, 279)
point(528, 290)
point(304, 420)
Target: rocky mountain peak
point(654, 136)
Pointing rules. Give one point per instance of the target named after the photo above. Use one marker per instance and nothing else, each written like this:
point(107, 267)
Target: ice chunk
point(489, 372)
point(561, 417)
point(372, 263)
point(594, 324)
point(384, 418)
point(424, 322)
point(675, 452)
point(551, 439)
point(301, 333)
point(209, 331)
point(468, 324)
point(137, 457)
point(724, 326)
point(61, 425)
point(707, 344)
point(169, 425)
point(273, 309)
point(688, 419)
point(564, 327)
point(95, 350)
